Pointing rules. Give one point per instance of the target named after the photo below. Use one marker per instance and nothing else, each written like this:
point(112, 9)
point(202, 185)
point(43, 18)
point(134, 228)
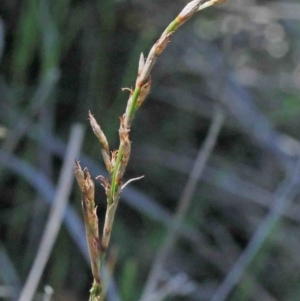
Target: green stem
point(114, 175)
point(173, 26)
point(134, 100)
point(96, 292)
point(132, 110)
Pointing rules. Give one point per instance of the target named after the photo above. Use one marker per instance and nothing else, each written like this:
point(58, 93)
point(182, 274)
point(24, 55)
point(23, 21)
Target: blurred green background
point(61, 58)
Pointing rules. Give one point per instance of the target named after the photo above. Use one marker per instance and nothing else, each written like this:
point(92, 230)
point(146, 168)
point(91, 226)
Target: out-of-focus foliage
point(61, 58)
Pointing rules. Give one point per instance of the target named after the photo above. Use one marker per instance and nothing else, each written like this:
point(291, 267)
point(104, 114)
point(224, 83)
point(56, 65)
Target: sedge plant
point(116, 161)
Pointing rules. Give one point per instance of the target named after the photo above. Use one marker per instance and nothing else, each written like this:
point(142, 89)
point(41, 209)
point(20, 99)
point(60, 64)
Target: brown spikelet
point(162, 43)
point(79, 174)
point(145, 90)
point(103, 141)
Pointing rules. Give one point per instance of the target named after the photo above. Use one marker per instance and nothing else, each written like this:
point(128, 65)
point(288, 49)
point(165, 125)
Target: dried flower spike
point(105, 184)
point(103, 141)
point(145, 90)
point(210, 3)
point(141, 64)
point(189, 10)
point(117, 160)
point(79, 174)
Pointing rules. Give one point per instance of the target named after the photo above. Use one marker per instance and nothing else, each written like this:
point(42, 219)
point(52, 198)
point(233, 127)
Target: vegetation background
point(61, 58)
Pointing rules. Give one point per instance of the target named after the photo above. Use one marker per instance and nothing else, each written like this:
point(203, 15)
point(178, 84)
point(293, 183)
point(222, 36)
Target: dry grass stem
point(56, 215)
point(117, 160)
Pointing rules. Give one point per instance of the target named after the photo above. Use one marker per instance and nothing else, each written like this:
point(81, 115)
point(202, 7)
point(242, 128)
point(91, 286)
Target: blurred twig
point(48, 293)
point(232, 183)
point(56, 215)
point(2, 37)
point(49, 53)
point(282, 199)
point(41, 183)
point(9, 275)
point(173, 286)
point(22, 124)
point(184, 201)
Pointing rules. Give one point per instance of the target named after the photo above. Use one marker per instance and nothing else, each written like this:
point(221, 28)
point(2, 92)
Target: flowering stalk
point(89, 209)
point(143, 81)
point(117, 160)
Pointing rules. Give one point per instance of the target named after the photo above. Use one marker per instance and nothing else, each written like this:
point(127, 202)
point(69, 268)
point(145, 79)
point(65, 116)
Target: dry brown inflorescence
point(117, 160)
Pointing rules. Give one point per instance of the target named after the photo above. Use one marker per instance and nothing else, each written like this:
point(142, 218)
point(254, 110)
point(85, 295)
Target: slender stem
point(173, 25)
point(117, 165)
point(135, 97)
point(114, 185)
point(132, 109)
